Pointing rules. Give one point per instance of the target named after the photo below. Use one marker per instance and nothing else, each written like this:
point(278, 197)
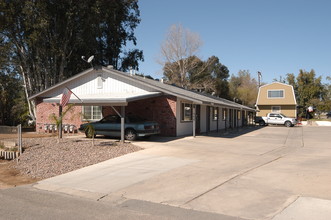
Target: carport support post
point(122, 123)
point(194, 119)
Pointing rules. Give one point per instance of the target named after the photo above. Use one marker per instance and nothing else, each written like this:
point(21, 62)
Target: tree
point(308, 87)
point(243, 88)
point(12, 107)
point(59, 119)
point(327, 94)
point(210, 76)
point(309, 90)
point(48, 38)
point(178, 54)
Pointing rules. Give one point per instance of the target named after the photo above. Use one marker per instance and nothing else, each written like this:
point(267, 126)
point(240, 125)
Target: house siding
point(288, 110)
point(88, 84)
point(289, 98)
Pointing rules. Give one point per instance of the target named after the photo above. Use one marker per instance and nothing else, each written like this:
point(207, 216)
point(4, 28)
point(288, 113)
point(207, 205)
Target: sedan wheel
point(130, 135)
point(288, 124)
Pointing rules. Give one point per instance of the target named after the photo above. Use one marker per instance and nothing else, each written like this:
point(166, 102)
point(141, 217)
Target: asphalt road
point(32, 204)
point(267, 173)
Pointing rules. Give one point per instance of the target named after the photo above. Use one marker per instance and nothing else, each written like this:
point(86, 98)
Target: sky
point(274, 37)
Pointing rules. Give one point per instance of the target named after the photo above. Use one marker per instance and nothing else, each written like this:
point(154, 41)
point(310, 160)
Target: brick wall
point(160, 109)
point(45, 110)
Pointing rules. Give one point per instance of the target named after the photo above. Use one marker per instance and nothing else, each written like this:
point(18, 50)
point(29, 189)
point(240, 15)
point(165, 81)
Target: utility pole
point(259, 76)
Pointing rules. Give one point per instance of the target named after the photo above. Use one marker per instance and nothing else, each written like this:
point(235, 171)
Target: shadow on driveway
point(234, 132)
point(229, 133)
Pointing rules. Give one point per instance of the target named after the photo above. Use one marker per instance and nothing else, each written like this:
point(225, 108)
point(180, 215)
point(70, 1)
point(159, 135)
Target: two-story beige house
point(278, 98)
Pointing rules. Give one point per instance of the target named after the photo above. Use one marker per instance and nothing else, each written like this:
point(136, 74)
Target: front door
point(230, 118)
point(197, 119)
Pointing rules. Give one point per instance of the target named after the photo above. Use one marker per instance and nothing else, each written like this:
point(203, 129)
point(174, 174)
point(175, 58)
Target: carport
point(112, 100)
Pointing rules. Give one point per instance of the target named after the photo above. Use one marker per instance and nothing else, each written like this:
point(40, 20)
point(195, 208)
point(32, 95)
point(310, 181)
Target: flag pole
point(75, 95)
point(61, 108)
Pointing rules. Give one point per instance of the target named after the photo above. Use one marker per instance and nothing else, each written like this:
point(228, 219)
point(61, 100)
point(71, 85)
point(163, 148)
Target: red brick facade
point(44, 112)
point(161, 109)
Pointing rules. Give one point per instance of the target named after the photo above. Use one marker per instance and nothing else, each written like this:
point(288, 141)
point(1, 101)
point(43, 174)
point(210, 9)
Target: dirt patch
point(11, 177)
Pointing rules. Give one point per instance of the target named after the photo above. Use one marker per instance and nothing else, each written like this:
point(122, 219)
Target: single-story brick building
point(178, 111)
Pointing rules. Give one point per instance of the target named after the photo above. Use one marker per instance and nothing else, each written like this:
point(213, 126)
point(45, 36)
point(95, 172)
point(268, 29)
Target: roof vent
point(132, 71)
point(161, 80)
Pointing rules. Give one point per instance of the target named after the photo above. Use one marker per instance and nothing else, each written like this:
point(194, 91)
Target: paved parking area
point(266, 173)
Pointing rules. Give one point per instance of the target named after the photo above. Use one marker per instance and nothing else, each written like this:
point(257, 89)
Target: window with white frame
point(92, 113)
point(275, 109)
point(272, 94)
point(186, 112)
point(214, 113)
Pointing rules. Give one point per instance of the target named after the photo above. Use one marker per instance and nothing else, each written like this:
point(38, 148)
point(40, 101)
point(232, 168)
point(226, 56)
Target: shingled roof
point(194, 96)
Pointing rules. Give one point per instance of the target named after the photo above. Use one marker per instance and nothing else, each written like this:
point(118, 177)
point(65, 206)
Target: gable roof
point(156, 86)
point(288, 99)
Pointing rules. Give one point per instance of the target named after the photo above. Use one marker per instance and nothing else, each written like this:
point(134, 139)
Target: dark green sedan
point(111, 126)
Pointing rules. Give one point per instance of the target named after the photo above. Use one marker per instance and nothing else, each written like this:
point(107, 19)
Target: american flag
point(65, 97)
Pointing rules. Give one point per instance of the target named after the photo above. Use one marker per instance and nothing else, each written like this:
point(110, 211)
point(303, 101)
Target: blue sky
point(274, 37)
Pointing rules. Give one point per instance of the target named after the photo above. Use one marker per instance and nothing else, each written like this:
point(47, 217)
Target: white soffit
point(119, 99)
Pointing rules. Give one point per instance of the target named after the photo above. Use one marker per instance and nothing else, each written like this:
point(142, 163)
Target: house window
point(224, 114)
point(275, 109)
point(214, 113)
point(186, 112)
point(92, 113)
point(275, 94)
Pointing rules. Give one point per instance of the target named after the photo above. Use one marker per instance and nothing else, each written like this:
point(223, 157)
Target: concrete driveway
point(268, 173)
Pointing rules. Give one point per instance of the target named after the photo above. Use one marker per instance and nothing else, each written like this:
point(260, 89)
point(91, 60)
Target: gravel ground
point(45, 157)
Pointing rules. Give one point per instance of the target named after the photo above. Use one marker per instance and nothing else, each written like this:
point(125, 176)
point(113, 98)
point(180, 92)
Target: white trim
point(92, 113)
point(119, 99)
point(295, 100)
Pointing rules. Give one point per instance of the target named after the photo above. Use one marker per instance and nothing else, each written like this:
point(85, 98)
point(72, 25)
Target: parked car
point(275, 118)
point(134, 127)
point(328, 115)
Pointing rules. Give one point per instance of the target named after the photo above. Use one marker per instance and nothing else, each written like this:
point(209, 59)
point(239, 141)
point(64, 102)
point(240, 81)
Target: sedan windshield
point(117, 119)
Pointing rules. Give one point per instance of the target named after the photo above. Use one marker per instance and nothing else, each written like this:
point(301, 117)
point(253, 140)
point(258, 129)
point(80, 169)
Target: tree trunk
point(30, 104)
